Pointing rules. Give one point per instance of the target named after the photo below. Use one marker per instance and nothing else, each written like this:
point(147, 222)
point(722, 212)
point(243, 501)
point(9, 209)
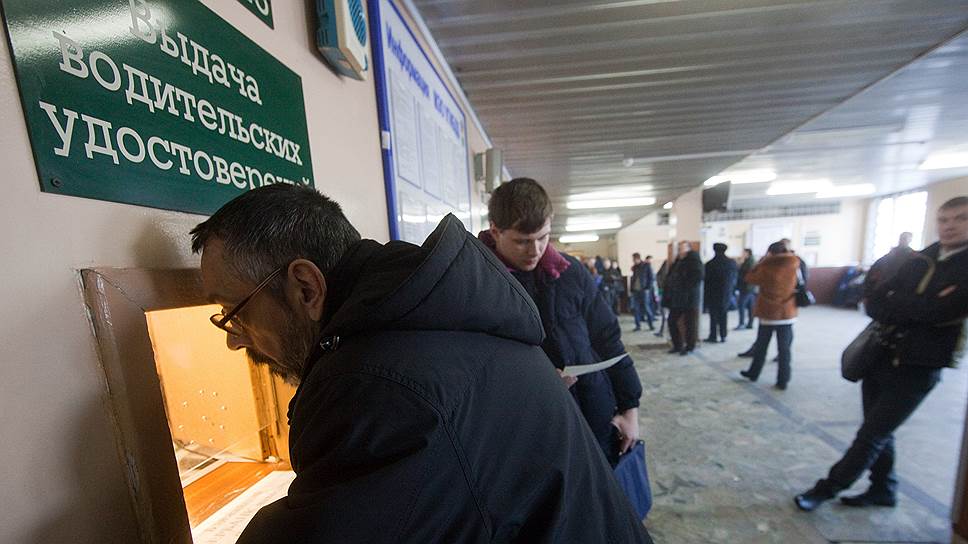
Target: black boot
point(810, 500)
point(871, 497)
point(748, 353)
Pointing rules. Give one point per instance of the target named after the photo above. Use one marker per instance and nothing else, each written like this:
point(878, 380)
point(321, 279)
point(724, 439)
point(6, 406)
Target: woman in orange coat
point(776, 275)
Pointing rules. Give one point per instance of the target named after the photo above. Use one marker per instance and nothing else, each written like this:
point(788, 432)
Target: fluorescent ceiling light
point(611, 203)
point(593, 222)
point(844, 191)
point(621, 191)
point(594, 226)
point(798, 187)
point(939, 161)
point(741, 177)
point(667, 206)
point(575, 238)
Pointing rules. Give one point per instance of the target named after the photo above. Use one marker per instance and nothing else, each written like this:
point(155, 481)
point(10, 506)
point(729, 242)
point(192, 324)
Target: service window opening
point(227, 419)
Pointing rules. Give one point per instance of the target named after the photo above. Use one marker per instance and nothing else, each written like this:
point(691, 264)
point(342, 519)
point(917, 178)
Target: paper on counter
point(578, 370)
point(226, 525)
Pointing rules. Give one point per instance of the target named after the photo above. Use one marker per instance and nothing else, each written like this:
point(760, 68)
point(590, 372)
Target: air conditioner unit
point(342, 36)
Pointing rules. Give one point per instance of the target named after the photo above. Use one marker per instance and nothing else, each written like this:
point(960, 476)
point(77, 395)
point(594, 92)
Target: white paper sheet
point(578, 370)
point(226, 525)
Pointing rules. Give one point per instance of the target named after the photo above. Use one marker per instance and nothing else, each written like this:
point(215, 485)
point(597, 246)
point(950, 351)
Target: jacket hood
point(451, 282)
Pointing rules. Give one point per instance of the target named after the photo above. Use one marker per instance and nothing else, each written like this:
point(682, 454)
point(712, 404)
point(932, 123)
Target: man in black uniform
point(718, 288)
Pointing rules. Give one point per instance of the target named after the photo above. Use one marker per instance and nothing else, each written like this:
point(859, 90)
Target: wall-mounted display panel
point(423, 130)
point(158, 103)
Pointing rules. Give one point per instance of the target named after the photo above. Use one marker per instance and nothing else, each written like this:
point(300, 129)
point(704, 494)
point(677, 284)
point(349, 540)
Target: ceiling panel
point(571, 90)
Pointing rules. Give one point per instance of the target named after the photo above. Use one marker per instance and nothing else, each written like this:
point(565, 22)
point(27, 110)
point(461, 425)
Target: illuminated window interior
point(227, 419)
point(893, 215)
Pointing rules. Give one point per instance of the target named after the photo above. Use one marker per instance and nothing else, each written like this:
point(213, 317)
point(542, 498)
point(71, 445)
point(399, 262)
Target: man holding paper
point(580, 328)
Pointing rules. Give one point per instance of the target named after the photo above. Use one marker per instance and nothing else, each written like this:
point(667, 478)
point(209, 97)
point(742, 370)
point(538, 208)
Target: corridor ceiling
point(592, 95)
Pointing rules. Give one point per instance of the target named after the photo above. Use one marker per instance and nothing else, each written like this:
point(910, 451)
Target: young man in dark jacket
point(426, 410)
point(683, 296)
point(718, 286)
point(579, 326)
point(924, 308)
point(641, 287)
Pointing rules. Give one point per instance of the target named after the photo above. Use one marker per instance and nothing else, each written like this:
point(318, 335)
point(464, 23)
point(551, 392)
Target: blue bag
point(633, 478)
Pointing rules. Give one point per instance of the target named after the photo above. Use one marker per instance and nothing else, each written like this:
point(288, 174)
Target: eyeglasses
point(225, 320)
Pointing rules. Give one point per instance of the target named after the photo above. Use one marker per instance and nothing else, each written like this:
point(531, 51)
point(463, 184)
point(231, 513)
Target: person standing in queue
point(887, 266)
point(922, 309)
point(683, 298)
point(662, 285)
point(425, 410)
point(579, 326)
point(641, 297)
point(718, 286)
point(746, 293)
point(616, 284)
point(776, 275)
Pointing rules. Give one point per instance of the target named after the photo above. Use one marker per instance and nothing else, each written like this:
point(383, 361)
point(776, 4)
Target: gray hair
point(269, 227)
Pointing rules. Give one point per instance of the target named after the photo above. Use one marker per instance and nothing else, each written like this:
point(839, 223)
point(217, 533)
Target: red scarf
point(551, 264)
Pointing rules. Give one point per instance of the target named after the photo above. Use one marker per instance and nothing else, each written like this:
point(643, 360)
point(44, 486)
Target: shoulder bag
point(873, 344)
point(803, 297)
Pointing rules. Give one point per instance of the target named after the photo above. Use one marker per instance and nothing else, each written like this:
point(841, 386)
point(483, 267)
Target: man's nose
point(236, 342)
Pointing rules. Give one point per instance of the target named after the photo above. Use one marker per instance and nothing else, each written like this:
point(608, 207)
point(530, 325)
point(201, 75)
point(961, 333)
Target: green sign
point(159, 103)
point(261, 8)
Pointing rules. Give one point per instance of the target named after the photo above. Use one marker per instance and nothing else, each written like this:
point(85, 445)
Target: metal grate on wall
point(825, 208)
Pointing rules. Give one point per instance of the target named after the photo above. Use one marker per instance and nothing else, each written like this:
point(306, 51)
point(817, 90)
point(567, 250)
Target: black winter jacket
point(719, 281)
point(684, 285)
point(432, 415)
point(642, 277)
point(930, 330)
point(580, 328)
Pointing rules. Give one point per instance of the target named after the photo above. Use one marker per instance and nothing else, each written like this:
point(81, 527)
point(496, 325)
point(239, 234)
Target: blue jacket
point(580, 328)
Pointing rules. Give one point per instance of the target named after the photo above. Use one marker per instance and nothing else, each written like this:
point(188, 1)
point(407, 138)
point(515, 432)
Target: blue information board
point(423, 129)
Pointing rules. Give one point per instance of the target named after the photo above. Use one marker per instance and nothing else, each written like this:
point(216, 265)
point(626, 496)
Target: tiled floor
point(726, 456)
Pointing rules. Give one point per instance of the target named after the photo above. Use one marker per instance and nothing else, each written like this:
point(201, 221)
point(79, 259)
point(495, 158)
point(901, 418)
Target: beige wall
point(938, 194)
point(604, 246)
point(62, 479)
point(647, 237)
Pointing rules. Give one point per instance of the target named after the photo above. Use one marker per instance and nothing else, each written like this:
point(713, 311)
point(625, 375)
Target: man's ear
point(494, 230)
point(306, 288)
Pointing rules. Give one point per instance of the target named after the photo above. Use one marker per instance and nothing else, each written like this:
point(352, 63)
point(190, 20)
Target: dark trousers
point(890, 394)
point(745, 307)
point(784, 339)
point(717, 322)
point(684, 327)
point(641, 302)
